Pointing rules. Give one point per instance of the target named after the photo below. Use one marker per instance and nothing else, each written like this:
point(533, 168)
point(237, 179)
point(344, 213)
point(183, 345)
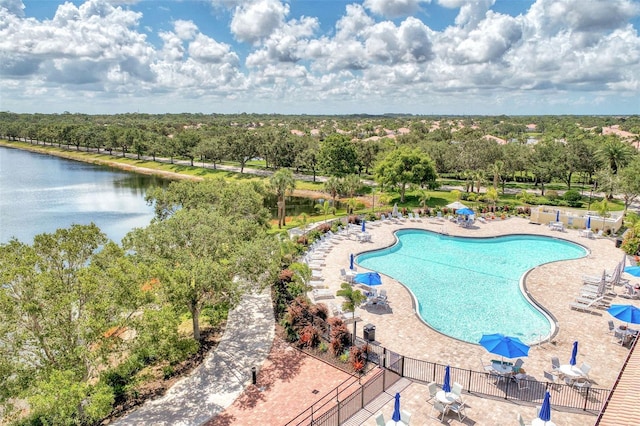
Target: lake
point(40, 193)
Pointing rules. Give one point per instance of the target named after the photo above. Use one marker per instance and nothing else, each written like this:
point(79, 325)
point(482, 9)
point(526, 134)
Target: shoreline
point(42, 149)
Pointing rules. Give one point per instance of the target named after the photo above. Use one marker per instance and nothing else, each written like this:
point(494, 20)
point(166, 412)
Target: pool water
point(466, 287)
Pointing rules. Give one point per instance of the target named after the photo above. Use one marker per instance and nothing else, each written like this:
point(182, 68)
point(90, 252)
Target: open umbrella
point(633, 270)
point(505, 346)
point(368, 278)
point(557, 215)
point(466, 211)
point(363, 227)
point(626, 313)
point(545, 409)
point(446, 385)
point(351, 262)
point(588, 225)
point(396, 409)
point(574, 353)
point(457, 205)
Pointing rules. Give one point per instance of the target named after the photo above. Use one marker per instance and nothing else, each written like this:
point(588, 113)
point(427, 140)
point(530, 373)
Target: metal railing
point(338, 405)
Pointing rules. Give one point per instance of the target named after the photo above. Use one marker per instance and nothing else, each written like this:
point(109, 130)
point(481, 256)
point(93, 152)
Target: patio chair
point(522, 380)
point(433, 390)
point(456, 389)
point(518, 365)
point(521, 420)
point(553, 380)
point(612, 327)
point(619, 336)
point(581, 385)
point(440, 408)
point(585, 368)
point(555, 363)
point(405, 417)
point(380, 419)
point(458, 408)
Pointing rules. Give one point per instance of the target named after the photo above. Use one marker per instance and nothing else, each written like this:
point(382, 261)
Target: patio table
point(570, 371)
point(394, 423)
point(446, 397)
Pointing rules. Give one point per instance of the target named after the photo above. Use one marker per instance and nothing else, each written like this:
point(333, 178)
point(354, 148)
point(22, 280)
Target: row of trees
point(80, 315)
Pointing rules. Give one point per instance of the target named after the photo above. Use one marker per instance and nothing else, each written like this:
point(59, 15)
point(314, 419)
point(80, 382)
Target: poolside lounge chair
point(322, 293)
point(586, 307)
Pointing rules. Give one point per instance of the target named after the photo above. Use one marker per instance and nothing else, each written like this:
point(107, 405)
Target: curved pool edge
point(553, 321)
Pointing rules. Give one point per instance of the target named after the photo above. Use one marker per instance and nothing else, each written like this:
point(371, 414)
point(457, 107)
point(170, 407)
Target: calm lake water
point(41, 193)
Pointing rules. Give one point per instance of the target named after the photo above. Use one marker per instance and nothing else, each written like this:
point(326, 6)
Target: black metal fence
point(343, 402)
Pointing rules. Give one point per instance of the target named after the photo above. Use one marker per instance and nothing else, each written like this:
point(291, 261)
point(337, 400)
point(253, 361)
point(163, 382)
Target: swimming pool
point(466, 287)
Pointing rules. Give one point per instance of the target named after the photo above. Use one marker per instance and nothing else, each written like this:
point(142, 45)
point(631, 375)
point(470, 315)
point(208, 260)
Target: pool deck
point(554, 286)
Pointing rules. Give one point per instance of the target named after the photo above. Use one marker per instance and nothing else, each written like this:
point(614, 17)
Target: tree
point(282, 183)
point(615, 153)
point(332, 186)
point(629, 180)
point(338, 156)
point(241, 200)
point(350, 184)
point(199, 255)
point(58, 300)
point(497, 170)
point(602, 207)
point(403, 167)
point(353, 297)
point(546, 161)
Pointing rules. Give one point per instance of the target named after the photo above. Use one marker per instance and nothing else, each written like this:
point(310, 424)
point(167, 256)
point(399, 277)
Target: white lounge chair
point(586, 307)
point(322, 293)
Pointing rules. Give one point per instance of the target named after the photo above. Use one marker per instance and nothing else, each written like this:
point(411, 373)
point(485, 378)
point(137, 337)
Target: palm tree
point(332, 187)
point(325, 207)
point(423, 198)
point(282, 182)
point(602, 207)
point(615, 154)
point(353, 297)
point(497, 169)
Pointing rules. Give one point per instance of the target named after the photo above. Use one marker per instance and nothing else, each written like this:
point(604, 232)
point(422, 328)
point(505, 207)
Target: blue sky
point(321, 56)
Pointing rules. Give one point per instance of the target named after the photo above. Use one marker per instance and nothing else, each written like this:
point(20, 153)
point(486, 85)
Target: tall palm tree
point(615, 154)
point(282, 182)
point(332, 187)
point(497, 170)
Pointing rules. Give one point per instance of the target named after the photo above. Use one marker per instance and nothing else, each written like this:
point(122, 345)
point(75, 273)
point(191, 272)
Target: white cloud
point(207, 50)
point(14, 7)
point(258, 19)
point(185, 30)
point(394, 8)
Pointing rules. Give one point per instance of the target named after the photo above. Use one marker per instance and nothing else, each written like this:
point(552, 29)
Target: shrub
point(339, 335)
point(358, 357)
point(302, 239)
point(573, 197)
point(552, 194)
point(285, 276)
point(309, 337)
point(323, 347)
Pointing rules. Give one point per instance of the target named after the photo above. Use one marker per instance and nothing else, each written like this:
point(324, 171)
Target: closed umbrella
point(363, 227)
point(351, 262)
point(545, 409)
point(557, 215)
point(446, 385)
point(574, 353)
point(368, 278)
point(396, 409)
point(394, 211)
point(633, 270)
point(505, 346)
point(588, 226)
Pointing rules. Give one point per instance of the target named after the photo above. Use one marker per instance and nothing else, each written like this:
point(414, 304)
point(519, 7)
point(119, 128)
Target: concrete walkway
point(222, 377)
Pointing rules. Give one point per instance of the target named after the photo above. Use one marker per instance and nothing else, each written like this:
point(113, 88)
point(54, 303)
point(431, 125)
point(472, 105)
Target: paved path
point(222, 377)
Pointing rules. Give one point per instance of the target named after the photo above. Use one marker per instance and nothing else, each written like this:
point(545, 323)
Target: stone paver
point(222, 377)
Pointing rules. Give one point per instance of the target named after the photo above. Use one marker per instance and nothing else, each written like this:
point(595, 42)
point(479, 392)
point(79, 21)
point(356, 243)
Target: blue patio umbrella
point(351, 262)
point(505, 346)
point(363, 226)
point(633, 270)
point(574, 353)
point(396, 409)
point(626, 313)
point(545, 409)
point(466, 211)
point(446, 385)
point(588, 225)
point(368, 278)
point(557, 215)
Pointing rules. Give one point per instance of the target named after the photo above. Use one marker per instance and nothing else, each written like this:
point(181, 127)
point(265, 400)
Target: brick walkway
point(288, 382)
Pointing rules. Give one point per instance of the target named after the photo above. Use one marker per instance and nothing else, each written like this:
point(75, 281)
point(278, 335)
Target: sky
point(425, 57)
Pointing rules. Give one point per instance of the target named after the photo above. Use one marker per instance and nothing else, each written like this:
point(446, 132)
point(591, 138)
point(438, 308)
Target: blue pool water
point(466, 287)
